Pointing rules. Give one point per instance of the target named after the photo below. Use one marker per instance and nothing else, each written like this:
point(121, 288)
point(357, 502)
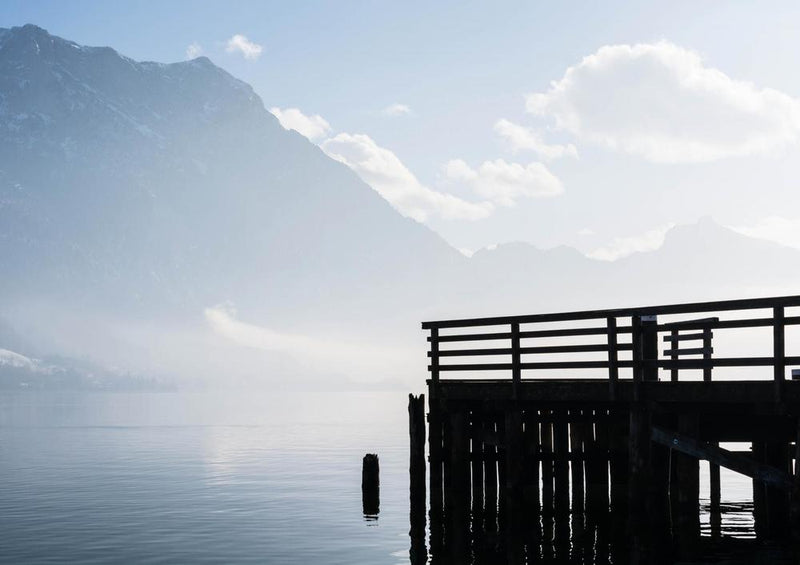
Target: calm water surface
point(200, 478)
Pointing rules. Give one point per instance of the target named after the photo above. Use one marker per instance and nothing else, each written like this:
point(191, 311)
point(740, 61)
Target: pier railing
point(626, 338)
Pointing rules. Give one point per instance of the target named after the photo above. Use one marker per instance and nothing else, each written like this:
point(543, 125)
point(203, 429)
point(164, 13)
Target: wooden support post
point(759, 494)
point(513, 487)
point(476, 462)
point(688, 524)
point(416, 467)
point(435, 449)
point(618, 467)
point(561, 474)
point(794, 510)
point(490, 476)
point(370, 485)
point(531, 473)
point(596, 497)
point(547, 463)
point(777, 456)
point(658, 499)
point(457, 531)
point(576, 440)
point(638, 485)
point(416, 470)
point(715, 497)
point(502, 470)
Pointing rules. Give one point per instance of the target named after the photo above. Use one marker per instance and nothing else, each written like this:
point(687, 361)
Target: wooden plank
point(688, 323)
point(722, 457)
point(677, 336)
point(689, 351)
point(687, 308)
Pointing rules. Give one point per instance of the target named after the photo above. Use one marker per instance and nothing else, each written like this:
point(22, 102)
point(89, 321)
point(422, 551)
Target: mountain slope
point(147, 186)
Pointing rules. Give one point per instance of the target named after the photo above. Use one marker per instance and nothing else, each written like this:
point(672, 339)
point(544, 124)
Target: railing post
point(707, 353)
point(649, 348)
point(636, 345)
point(613, 363)
point(673, 345)
point(516, 359)
point(779, 351)
point(435, 355)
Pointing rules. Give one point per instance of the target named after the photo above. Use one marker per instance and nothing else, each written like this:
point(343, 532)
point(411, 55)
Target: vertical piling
point(370, 485)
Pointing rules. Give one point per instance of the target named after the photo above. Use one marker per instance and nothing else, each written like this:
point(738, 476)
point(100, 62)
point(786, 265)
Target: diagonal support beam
point(723, 458)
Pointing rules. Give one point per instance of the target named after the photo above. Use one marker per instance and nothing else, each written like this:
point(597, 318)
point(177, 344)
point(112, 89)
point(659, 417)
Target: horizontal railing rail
point(632, 331)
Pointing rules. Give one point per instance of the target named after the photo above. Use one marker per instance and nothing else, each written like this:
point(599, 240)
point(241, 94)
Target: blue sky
point(692, 109)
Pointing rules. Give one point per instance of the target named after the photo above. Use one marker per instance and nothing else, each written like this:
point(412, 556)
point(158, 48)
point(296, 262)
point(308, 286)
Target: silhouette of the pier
point(576, 437)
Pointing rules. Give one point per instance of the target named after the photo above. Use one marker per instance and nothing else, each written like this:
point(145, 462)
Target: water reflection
point(583, 534)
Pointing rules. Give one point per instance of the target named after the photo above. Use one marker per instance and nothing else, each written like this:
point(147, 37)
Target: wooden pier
point(576, 437)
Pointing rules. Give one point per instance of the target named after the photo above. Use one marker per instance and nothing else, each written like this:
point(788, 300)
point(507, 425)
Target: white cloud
point(624, 246)
point(521, 138)
point(774, 228)
point(313, 127)
point(193, 51)
point(586, 231)
point(503, 183)
point(240, 43)
point(350, 356)
point(385, 173)
point(395, 110)
point(660, 101)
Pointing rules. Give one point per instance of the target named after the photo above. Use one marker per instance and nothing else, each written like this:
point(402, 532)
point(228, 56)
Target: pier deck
point(587, 434)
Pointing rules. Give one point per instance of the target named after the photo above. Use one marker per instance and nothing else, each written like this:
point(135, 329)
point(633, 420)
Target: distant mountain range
point(136, 196)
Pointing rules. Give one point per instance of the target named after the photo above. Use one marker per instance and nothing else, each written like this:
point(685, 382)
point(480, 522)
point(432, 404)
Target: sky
point(595, 126)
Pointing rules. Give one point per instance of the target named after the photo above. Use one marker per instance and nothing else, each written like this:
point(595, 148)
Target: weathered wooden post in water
point(416, 470)
point(370, 485)
point(608, 413)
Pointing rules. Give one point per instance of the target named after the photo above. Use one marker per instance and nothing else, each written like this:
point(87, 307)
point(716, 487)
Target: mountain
point(156, 219)
point(141, 187)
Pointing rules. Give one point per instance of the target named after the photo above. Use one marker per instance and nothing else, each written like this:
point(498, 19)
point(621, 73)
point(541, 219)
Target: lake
point(96, 477)
point(201, 477)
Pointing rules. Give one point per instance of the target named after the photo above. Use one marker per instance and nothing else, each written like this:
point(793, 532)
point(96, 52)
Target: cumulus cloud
point(240, 44)
point(781, 230)
point(521, 138)
point(313, 127)
point(193, 51)
point(381, 169)
point(395, 110)
point(624, 246)
point(503, 183)
point(661, 102)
